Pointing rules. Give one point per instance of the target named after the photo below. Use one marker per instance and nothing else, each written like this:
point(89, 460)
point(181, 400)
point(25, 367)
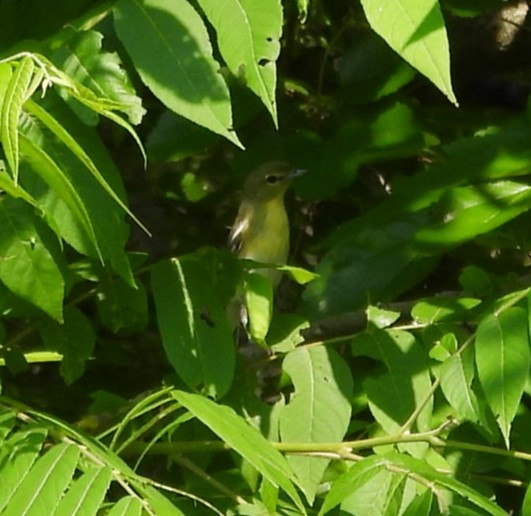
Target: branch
point(348, 324)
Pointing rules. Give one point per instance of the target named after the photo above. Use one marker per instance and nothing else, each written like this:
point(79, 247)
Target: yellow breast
point(266, 238)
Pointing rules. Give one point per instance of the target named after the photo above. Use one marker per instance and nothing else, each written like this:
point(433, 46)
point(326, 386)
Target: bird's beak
point(296, 172)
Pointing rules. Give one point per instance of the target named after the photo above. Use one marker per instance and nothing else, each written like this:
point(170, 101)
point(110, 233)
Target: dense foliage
point(389, 374)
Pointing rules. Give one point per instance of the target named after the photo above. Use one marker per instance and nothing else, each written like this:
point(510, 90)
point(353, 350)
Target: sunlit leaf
point(259, 304)
point(248, 36)
point(416, 31)
point(127, 506)
point(298, 274)
point(503, 359)
point(422, 504)
point(17, 456)
point(59, 182)
point(395, 390)
point(174, 59)
point(318, 410)
point(15, 96)
point(457, 375)
point(244, 439)
point(86, 494)
point(83, 59)
point(27, 267)
point(400, 464)
point(429, 311)
point(463, 213)
point(6, 72)
point(190, 302)
point(380, 317)
point(382, 494)
point(106, 216)
point(79, 152)
point(48, 479)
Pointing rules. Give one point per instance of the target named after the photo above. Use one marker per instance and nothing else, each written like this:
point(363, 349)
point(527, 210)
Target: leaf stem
point(338, 450)
point(183, 461)
point(419, 408)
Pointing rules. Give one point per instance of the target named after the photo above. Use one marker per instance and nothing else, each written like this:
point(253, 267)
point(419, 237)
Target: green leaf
point(416, 31)
point(17, 456)
point(174, 138)
point(436, 309)
point(248, 36)
point(41, 489)
point(259, 304)
point(17, 362)
point(394, 132)
point(244, 439)
point(127, 506)
point(104, 106)
point(355, 478)
point(302, 6)
point(377, 132)
point(445, 346)
point(421, 504)
point(27, 267)
point(463, 213)
point(84, 61)
point(380, 317)
point(15, 96)
point(79, 152)
point(364, 471)
point(375, 262)
point(190, 299)
point(94, 454)
point(385, 252)
point(382, 495)
point(318, 410)
point(268, 496)
point(503, 359)
point(396, 390)
point(477, 281)
point(285, 332)
point(15, 190)
point(502, 154)
point(106, 216)
point(7, 421)
point(174, 59)
point(86, 494)
point(370, 70)
point(526, 506)
point(6, 73)
point(457, 374)
point(59, 182)
point(122, 306)
point(74, 339)
point(298, 274)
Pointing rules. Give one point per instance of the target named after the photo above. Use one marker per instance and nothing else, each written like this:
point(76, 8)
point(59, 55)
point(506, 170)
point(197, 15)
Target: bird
point(260, 233)
point(261, 229)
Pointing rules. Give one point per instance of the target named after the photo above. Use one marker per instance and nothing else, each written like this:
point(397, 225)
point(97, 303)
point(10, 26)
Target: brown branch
point(348, 324)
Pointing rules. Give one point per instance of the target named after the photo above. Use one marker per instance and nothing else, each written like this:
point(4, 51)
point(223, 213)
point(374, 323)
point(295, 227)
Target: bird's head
point(269, 181)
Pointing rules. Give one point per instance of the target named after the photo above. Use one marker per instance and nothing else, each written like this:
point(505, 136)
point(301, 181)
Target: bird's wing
point(236, 233)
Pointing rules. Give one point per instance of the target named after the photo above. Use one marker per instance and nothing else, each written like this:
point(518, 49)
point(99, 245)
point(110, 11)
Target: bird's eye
point(272, 179)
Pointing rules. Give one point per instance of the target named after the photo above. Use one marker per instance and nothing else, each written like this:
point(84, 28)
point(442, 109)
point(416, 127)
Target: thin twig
point(183, 461)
